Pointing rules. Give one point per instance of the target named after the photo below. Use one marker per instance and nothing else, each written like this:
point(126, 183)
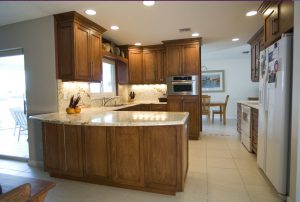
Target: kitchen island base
point(148, 158)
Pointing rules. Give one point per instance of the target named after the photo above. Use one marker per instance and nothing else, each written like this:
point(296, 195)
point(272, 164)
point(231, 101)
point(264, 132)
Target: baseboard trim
point(14, 158)
point(36, 163)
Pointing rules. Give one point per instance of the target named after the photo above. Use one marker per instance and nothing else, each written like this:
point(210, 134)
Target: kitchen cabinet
point(149, 158)
point(182, 57)
point(63, 149)
point(78, 48)
point(278, 19)
point(257, 44)
point(254, 129)
point(96, 155)
point(153, 64)
point(159, 107)
point(127, 155)
point(239, 118)
point(187, 104)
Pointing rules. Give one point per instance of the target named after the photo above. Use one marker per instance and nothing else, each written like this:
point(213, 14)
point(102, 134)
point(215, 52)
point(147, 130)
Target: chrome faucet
point(106, 100)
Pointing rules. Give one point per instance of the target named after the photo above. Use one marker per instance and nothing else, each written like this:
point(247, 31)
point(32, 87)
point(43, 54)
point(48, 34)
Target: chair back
point(21, 194)
point(13, 114)
point(205, 103)
point(21, 118)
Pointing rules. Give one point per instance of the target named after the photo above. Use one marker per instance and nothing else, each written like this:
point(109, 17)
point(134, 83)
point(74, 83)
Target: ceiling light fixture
point(195, 34)
point(90, 12)
point(235, 39)
point(148, 3)
point(114, 27)
point(251, 13)
point(138, 44)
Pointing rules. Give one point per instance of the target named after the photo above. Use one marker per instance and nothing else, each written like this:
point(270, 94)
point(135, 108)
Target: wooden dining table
point(221, 106)
point(39, 188)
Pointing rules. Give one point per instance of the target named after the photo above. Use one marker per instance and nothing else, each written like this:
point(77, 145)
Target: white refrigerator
point(274, 112)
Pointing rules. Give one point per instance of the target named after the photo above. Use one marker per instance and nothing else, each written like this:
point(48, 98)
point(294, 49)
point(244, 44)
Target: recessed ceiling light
point(195, 34)
point(90, 12)
point(251, 13)
point(235, 39)
point(148, 3)
point(114, 27)
point(138, 44)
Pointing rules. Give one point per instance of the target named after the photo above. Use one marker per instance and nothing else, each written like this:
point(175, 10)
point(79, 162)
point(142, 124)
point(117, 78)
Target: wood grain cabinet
point(254, 129)
point(239, 118)
point(96, 155)
point(187, 104)
point(78, 48)
point(257, 45)
point(153, 64)
point(182, 57)
point(150, 158)
point(63, 149)
point(159, 107)
point(278, 19)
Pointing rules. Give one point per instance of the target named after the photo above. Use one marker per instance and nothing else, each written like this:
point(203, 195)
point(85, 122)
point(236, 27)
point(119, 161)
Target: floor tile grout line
point(244, 184)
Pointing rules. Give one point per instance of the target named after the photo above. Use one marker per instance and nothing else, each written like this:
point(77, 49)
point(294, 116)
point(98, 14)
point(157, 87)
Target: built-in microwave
point(183, 85)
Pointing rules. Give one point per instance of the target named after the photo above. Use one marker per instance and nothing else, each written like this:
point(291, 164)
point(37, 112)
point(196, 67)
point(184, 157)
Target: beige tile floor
point(220, 170)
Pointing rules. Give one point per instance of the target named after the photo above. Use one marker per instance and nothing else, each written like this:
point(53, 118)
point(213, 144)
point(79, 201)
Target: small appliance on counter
point(131, 96)
point(183, 85)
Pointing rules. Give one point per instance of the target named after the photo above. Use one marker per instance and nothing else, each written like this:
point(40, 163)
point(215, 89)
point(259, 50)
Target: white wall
point(238, 85)
point(36, 37)
point(294, 195)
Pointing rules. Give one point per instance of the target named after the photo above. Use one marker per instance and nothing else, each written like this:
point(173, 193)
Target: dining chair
point(21, 119)
point(13, 114)
point(206, 107)
point(221, 111)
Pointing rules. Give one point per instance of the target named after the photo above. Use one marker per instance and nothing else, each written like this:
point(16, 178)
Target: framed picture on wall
point(213, 81)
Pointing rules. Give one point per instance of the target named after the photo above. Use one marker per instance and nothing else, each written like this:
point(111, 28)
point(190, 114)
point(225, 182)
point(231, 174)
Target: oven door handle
point(183, 82)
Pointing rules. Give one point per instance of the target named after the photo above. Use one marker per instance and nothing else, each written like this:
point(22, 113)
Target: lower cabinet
point(150, 158)
point(254, 129)
point(96, 156)
point(239, 118)
point(187, 104)
point(127, 155)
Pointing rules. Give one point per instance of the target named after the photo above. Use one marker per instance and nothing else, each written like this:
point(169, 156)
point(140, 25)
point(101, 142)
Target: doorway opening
point(13, 116)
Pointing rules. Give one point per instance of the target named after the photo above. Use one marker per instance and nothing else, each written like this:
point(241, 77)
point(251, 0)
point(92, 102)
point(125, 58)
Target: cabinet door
point(160, 62)
point(95, 56)
point(73, 165)
point(191, 104)
point(127, 155)
point(161, 155)
point(53, 147)
point(272, 25)
point(65, 51)
point(190, 59)
point(82, 64)
point(149, 67)
point(135, 67)
point(174, 103)
point(239, 118)
point(96, 153)
point(173, 61)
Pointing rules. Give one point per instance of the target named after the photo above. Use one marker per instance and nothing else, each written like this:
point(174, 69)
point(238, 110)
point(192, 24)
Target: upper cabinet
point(153, 64)
point(78, 48)
point(182, 57)
point(257, 44)
point(278, 19)
point(145, 65)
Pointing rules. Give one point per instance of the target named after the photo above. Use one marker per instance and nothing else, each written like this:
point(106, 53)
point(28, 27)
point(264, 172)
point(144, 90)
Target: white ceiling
point(216, 21)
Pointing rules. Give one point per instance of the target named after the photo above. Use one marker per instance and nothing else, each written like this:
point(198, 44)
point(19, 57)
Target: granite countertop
point(106, 116)
point(252, 104)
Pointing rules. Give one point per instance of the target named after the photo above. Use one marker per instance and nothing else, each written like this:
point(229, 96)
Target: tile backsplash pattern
point(144, 93)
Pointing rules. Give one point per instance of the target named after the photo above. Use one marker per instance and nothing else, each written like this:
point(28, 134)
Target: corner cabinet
point(78, 48)
point(187, 104)
point(182, 57)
